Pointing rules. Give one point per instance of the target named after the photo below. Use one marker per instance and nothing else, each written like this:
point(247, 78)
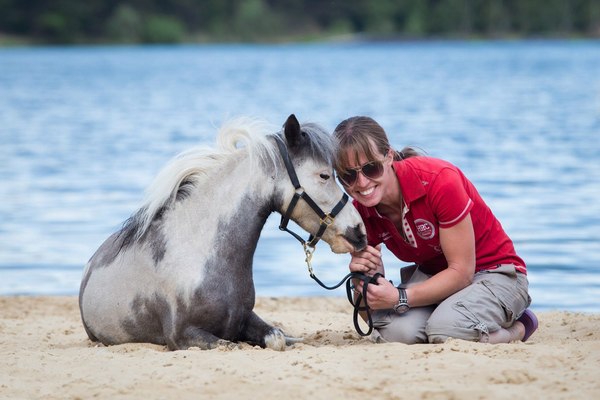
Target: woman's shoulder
point(428, 164)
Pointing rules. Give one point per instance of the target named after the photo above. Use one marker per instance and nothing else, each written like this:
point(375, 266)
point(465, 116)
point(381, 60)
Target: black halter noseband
point(309, 247)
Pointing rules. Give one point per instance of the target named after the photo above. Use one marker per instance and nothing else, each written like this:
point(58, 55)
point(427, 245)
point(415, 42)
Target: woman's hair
point(357, 134)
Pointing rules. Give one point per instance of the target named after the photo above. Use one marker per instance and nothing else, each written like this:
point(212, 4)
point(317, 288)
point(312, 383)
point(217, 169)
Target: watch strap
point(402, 305)
point(402, 297)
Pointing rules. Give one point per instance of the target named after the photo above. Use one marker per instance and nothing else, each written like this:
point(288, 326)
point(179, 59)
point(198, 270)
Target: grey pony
point(179, 272)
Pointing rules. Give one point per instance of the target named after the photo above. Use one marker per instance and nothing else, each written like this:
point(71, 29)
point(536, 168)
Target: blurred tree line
point(173, 21)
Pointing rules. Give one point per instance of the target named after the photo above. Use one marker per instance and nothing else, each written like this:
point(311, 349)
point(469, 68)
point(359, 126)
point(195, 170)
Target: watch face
point(401, 308)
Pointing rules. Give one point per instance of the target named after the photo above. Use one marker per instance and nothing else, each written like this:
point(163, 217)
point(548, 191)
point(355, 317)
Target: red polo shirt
point(438, 195)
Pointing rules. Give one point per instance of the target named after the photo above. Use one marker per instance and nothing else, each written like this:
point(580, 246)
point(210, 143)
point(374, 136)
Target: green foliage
point(453, 16)
point(254, 20)
point(415, 18)
point(495, 19)
point(162, 29)
point(125, 25)
point(340, 26)
point(379, 17)
point(53, 26)
point(171, 21)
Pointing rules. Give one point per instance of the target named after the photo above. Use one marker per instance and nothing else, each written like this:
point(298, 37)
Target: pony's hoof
point(275, 340)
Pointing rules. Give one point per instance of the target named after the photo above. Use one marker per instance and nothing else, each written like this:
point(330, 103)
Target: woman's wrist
point(401, 305)
point(393, 295)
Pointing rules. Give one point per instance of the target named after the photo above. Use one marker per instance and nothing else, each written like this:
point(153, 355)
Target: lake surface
point(83, 130)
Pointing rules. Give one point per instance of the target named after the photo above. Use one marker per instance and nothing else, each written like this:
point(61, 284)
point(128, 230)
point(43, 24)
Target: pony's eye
point(325, 176)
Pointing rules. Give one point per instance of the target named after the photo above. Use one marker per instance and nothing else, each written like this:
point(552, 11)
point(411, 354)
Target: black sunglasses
point(372, 170)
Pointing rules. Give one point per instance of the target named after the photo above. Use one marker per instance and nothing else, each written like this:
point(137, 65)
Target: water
point(83, 130)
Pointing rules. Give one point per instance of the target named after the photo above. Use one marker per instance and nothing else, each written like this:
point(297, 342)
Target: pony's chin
point(341, 245)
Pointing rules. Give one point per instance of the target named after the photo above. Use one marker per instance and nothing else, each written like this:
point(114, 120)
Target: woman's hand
point(367, 261)
point(382, 295)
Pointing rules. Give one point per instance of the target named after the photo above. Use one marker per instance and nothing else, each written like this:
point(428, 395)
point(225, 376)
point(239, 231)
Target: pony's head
point(311, 152)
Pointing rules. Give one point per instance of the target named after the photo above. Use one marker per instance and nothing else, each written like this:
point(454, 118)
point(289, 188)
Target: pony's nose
point(356, 237)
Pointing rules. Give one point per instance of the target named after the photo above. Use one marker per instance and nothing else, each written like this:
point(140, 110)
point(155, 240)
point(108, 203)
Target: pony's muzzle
point(356, 237)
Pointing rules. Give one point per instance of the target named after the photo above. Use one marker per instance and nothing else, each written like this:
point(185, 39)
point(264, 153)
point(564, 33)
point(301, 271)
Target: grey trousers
point(494, 300)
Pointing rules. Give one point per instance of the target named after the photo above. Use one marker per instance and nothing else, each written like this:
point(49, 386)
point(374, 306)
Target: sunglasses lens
point(373, 170)
point(348, 177)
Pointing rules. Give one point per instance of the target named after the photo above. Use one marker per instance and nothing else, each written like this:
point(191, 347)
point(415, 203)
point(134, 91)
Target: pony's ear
point(291, 128)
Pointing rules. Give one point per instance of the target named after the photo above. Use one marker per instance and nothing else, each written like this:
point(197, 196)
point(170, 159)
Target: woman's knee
point(438, 329)
point(406, 335)
point(451, 322)
point(408, 328)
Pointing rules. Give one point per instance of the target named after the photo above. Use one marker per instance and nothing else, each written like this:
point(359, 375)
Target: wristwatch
point(402, 305)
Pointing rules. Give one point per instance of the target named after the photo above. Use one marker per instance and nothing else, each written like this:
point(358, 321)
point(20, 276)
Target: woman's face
point(369, 189)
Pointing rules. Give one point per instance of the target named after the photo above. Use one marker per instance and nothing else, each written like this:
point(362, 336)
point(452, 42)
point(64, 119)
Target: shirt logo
point(425, 229)
point(385, 236)
point(437, 248)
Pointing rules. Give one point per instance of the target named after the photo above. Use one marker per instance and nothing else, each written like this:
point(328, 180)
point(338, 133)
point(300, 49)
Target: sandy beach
point(45, 353)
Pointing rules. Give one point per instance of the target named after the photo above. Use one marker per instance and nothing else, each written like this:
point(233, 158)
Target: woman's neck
point(392, 200)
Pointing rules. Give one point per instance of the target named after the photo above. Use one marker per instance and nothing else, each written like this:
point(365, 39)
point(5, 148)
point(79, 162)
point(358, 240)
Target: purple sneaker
point(530, 321)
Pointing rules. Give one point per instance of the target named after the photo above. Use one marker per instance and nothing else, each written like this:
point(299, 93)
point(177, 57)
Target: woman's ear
point(390, 154)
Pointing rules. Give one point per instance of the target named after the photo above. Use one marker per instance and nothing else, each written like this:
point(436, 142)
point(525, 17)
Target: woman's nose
point(361, 179)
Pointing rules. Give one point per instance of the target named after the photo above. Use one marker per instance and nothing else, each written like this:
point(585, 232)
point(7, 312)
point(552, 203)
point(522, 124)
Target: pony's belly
point(108, 301)
point(103, 310)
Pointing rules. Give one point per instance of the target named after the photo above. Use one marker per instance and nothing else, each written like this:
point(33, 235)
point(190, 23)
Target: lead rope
point(360, 297)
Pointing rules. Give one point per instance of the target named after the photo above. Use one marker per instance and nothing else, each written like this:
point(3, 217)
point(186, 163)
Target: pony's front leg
point(192, 336)
point(258, 332)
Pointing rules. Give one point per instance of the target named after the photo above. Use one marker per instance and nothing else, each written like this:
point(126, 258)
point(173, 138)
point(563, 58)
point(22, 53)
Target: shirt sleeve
point(449, 199)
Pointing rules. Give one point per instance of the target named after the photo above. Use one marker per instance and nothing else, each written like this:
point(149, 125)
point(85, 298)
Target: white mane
point(236, 138)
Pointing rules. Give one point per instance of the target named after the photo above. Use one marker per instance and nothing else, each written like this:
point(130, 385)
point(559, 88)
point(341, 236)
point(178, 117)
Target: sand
point(45, 353)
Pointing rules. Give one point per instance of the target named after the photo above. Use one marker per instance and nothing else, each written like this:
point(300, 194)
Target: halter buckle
point(328, 220)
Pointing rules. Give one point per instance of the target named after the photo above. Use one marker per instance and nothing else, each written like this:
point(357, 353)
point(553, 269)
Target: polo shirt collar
point(412, 185)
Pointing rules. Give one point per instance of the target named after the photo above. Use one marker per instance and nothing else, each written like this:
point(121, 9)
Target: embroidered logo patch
point(425, 229)
point(385, 236)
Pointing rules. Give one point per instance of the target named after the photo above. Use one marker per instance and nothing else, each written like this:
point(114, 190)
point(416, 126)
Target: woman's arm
point(458, 245)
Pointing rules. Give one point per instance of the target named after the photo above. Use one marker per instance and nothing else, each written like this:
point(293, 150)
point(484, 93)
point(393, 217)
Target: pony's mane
point(320, 144)
point(236, 137)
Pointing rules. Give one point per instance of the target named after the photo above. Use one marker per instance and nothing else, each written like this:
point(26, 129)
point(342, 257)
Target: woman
point(467, 281)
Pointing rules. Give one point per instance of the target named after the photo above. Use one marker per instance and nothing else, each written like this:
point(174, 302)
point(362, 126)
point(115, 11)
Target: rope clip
point(308, 251)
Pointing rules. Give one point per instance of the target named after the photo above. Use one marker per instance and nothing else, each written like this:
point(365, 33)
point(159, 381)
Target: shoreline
point(26, 43)
point(46, 353)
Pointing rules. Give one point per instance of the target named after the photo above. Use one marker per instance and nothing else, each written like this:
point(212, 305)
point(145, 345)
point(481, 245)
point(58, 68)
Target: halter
point(309, 247)
point(324, 219)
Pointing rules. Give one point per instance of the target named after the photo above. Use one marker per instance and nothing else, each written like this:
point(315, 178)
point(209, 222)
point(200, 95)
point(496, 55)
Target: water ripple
point(84, 129)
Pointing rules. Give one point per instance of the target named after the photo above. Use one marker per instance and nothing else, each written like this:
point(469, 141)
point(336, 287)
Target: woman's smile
point(367, 191)
point(368, 195)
